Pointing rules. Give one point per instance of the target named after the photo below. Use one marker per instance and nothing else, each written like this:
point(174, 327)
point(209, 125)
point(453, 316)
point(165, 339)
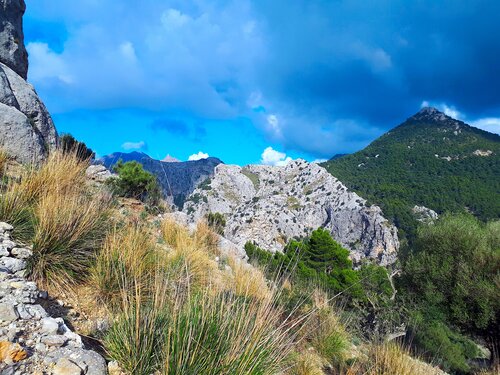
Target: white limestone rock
point(270, 205)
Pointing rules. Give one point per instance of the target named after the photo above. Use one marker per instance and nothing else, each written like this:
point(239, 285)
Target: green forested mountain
point(431, 160)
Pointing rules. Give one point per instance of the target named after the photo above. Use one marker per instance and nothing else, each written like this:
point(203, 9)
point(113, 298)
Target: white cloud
point(273, 157)
point(200, 155)
point(491, 124)
point(319, 161)
point(173, 18)
point(128, 51)
point(48, 64)
point(135, 145)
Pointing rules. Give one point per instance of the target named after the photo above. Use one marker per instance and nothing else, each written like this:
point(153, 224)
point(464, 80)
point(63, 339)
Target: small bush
point(134, 182)
point(217, 222)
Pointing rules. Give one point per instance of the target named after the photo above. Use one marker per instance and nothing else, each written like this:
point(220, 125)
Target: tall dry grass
point(391, 359)
point(189, 317)
point(68, 230)
point(201, 332)
point(4, 160)
point(126, 261)
point(51, 207)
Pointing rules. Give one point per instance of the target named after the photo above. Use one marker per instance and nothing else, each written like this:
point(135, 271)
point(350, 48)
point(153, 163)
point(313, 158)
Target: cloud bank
point(311, 76)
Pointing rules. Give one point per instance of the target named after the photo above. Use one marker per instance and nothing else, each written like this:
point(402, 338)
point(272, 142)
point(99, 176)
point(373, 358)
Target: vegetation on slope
point(451, 283)
point(429, 160)
point(178, 305)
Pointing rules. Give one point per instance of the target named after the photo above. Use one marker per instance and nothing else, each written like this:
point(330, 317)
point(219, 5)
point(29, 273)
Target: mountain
point(270, 205)
point(177, 179)
point(430, 160)
point(27, 131)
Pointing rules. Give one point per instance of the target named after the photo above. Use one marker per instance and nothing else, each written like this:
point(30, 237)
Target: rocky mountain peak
point(12, 50)
point(430, 114)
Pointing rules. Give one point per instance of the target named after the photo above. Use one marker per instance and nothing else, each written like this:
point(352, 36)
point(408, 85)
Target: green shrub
point(217, 222)
point(319, 260)
point(134, 182)
point(444, 346)
point(452, 279)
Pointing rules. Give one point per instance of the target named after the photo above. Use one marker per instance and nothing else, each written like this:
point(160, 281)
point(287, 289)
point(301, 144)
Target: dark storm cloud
point(315, 76)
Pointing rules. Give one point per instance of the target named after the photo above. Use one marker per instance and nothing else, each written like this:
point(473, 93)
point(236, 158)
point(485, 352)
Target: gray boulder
point(19, 138)
point(12, 50)
point(6, 94)
point(31, 105)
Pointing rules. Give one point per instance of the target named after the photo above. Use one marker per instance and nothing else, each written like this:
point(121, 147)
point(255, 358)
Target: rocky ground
point(52, 347)
point(270, 205)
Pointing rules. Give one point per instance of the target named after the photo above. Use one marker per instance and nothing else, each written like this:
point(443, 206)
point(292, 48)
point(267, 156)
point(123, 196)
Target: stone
point(99, 173)
point(424, 214)
point(66, 367)
point(21, 253)
point(18, 137)
point(12, 50)
point(31, 105)
point(50, 326)
point(54, 340)
point(8, 312)
point(85, 359)
point(3, 251)
point(12, 264)
point(7, 244)
point(5, 227)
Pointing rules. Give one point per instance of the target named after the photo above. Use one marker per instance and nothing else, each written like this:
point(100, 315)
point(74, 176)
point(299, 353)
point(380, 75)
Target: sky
point(259, 81)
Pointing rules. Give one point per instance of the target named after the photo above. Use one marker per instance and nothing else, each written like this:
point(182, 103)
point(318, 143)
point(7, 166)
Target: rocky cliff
point(27, 131)
point(270, 205)
point(177, 179)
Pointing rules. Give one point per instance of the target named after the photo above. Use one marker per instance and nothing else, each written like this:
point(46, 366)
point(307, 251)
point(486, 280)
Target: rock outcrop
point(270, 205)
point(12, 50)
point(50, 344)
point(27, 131)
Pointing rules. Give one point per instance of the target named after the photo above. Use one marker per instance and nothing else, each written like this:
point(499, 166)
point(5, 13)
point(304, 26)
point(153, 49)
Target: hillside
point(177, 179)
point(270, 205)
point(430, 160)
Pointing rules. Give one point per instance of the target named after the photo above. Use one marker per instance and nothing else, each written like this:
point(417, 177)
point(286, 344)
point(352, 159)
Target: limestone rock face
point(270, 205)
point(19, 138)
point(12, 50)
point(30, 137)
point(31, 105)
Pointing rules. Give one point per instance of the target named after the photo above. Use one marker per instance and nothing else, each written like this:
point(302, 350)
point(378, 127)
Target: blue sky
point(259, 81)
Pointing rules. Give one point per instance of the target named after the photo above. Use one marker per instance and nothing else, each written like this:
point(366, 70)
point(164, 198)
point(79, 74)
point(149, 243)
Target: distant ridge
point(429, 160)
point(177, 179)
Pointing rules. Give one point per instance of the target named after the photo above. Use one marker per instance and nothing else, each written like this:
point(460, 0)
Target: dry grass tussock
point(307, 363)
point(52, 208)
point(4, 160)
point(176, 311)
point(391, 359)
point(127, 260)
